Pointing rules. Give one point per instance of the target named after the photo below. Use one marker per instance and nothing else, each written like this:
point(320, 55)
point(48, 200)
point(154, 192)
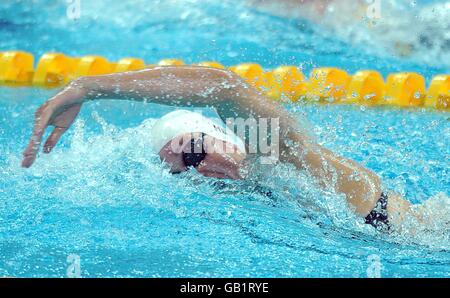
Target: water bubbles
point(369, 96)
point(226, 85)
point(107, 180)
point(355, 176)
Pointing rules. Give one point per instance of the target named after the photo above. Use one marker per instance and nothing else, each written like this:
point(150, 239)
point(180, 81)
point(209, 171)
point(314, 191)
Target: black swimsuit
point(378, 217)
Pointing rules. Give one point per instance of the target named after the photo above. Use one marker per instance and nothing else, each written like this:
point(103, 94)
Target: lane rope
point(285, 83)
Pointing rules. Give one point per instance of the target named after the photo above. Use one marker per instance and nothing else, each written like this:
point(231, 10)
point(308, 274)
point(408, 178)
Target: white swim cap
point(181, 122)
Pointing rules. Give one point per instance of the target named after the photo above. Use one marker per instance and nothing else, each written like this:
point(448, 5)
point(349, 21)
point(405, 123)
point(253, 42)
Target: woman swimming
point(186, 139)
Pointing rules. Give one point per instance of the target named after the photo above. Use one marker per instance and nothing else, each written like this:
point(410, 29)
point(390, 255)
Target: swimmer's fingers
point(53, 139)
point(29, 155)
point(62, 121)
point(61, 117)
point(42, 117)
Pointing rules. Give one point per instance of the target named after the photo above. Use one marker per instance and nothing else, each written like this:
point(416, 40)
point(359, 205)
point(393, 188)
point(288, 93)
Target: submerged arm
point(231, 96)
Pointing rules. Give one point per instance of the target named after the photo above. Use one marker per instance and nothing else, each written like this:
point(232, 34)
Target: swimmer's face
point(222, 159)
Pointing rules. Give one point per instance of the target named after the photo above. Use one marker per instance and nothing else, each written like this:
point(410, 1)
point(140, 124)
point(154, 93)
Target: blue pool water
point(104, 197)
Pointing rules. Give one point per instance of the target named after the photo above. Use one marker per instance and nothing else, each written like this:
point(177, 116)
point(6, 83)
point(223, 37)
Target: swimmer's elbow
point(234, 87)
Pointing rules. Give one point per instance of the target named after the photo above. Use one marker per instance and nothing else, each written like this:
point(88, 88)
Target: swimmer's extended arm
point(174, 86)
point(231, 96)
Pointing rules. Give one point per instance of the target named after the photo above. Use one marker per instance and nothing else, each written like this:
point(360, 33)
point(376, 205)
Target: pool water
point(102, 197)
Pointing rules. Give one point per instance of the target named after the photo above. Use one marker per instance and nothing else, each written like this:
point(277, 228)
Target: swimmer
point(199, 141)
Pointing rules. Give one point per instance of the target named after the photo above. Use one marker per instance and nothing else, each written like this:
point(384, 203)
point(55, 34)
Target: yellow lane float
point(16, 68)
point(91, 66)
point(255, 75)
point(438, 95)
point(366, 87)
point(213, 64)
point(252, 72)
point(290, 81)
point(129, 64)
point(405, 89)
point(170, 62)
point(53, 70)
point(329, 84)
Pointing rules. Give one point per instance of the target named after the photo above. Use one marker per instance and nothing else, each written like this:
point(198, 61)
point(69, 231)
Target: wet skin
point(225, 91)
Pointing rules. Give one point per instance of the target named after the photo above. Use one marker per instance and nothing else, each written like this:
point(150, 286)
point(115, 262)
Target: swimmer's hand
point(60, 112)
